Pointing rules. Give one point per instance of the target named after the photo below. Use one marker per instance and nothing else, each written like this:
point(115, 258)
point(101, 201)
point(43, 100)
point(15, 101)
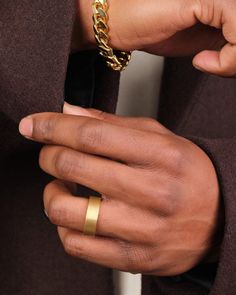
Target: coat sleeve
point(222, 153)
point(34, 50)
point(35, 37)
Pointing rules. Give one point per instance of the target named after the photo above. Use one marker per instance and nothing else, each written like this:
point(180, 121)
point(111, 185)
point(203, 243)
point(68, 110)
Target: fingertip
point(69, 109)
point(26, 127)
point(75, 110)
point(207, 61)
point(65, 106)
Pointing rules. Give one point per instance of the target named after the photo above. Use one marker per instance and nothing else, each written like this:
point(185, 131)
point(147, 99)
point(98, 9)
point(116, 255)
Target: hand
point(161, 208)
point(172, 28)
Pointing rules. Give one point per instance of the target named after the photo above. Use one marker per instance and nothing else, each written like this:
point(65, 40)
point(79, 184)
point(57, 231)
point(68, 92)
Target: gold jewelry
point(91, 218)
point(119, 61)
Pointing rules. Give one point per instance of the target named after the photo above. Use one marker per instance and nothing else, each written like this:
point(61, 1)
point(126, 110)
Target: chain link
point(118, 61)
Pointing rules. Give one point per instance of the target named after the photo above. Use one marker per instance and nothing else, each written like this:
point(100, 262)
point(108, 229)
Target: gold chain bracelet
point(118, 61)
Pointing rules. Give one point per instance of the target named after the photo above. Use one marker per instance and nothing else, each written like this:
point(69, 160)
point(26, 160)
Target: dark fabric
point(202, 275)
point(34, 50)
point(202, 108)
point(106, 87)
point(80, 79)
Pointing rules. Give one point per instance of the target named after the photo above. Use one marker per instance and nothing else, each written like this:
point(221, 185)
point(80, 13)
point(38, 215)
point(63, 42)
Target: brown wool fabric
point(34, 51)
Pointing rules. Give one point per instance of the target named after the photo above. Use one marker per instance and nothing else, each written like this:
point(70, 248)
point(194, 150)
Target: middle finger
point(100, 174)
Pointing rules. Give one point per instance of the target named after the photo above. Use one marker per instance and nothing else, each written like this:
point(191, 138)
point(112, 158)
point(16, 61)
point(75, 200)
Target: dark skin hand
point(204, 28)
point(161, 207)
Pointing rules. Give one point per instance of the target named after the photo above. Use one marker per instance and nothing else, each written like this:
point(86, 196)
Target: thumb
point(138, 123)
point(220, 63)
point(223, 61)
point(77, 111)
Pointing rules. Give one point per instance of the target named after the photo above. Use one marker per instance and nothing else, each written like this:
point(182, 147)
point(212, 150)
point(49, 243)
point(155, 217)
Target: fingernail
point(197, 67)
point(45, 213)
point(26, 127)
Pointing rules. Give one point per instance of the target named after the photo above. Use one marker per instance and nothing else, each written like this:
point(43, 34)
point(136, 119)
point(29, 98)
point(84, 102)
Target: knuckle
point(174, 153)
point(63, 164)
point(206, 12)
point(168, 195)
point(44, 129)
point(91, 134)
point(169, 201)
point(163, 198)
point(176, 157)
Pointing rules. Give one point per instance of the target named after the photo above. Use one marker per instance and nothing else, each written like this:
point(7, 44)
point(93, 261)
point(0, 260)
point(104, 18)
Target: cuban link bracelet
point(119, 60)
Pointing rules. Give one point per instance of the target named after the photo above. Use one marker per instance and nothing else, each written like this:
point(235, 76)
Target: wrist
point(83, 36)
point(83, 33)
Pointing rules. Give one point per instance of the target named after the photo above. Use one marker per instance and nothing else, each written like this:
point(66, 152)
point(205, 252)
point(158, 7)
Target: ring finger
point(66, 210)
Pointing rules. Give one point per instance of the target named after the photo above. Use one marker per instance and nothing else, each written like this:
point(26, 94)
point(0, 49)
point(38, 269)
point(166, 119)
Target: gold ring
point(91, 218)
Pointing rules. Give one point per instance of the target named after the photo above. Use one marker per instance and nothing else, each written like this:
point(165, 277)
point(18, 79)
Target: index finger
point(92, 136)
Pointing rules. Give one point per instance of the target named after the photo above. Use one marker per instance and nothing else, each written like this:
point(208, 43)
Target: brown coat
point(34, 51)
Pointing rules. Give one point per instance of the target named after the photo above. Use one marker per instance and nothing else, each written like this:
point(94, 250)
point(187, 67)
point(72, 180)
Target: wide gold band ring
point(92, 214)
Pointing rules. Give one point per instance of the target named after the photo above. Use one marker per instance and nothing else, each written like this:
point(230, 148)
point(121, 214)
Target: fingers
point(100, 174)
point(116, 180)
point(64, 209)
point(220, 63)
point(139, 123)
point(107, 252)
point(103, 251)
point(92, 136)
